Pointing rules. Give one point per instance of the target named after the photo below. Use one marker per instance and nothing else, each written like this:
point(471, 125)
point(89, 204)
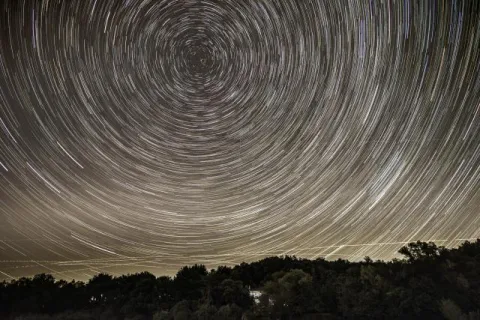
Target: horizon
point(231, 264)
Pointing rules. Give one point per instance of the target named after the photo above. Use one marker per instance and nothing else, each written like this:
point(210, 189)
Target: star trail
point(150, 134)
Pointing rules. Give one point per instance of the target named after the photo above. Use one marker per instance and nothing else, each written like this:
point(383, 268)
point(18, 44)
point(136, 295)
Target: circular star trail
point(146, 135)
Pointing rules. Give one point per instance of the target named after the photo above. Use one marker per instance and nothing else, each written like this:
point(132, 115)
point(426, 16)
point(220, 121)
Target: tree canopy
point(431, 282)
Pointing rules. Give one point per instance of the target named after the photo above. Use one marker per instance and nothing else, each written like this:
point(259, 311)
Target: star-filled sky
point(150, 134)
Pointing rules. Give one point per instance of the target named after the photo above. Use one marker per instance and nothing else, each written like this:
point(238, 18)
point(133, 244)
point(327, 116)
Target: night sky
point(147, 135)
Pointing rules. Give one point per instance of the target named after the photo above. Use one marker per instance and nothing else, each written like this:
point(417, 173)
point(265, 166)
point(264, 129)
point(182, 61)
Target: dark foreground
point(430, 283)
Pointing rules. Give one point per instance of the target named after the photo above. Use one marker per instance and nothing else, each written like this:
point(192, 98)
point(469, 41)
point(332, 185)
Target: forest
point(429, 282)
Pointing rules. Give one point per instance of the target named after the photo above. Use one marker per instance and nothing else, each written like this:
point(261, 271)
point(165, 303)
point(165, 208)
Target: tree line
point(430, 282)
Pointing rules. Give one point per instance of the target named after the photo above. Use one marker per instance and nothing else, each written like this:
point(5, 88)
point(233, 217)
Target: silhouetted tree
point(190, 282)
point(230, 292)
point(420, 251)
